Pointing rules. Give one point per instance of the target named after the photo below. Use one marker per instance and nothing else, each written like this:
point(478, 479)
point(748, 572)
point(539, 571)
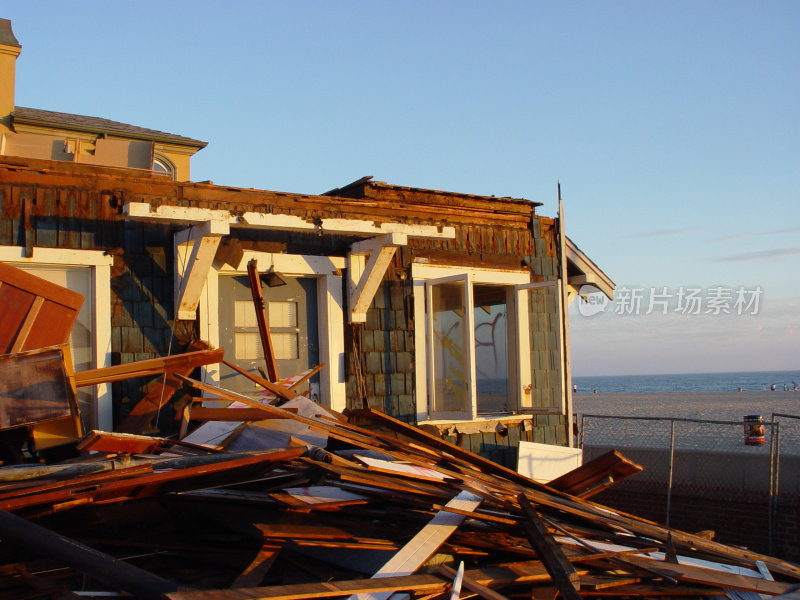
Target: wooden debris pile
point(383, 508)
point(274, 496)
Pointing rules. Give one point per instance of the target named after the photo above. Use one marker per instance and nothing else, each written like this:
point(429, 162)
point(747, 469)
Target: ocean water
point(755, 381)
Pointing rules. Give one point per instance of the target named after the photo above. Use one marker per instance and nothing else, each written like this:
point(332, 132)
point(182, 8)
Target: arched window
point(162, 164)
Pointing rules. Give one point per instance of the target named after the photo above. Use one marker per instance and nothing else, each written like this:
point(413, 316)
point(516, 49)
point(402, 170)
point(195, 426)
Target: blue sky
point(672, 126)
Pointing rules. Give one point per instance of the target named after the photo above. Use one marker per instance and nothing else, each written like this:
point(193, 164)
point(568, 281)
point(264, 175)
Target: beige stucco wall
point(8, 60)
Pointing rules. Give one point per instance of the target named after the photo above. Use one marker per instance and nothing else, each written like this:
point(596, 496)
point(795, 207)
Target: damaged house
point(444, 310)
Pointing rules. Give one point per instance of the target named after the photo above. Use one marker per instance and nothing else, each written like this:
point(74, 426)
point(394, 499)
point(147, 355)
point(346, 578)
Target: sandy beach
point(723, 406)
point(712, 406)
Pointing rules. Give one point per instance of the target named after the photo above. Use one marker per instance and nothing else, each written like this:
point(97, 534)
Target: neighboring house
point(442, 309)
point(49, 135)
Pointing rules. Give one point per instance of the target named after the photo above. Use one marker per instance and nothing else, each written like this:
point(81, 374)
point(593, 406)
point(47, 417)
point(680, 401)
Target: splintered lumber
point(203, 413)
point(561, 570)
point(256, 570)
point(424, 544)
point(261, 319)
point(710, 577)
point(472, 585)
point(120, 443)
point(499, 576)
point(150, 367)
point(146, 409)
point(325, 589)
point(596, 475)
point(173, 475)
point(284, 392)
point(478, 462)
point(21, 533)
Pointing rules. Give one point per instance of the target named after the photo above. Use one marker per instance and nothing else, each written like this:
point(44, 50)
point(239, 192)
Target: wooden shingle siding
point(50, 204)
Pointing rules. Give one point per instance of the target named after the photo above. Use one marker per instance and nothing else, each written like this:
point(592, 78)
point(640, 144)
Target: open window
point(541, 349)
point(493, 344)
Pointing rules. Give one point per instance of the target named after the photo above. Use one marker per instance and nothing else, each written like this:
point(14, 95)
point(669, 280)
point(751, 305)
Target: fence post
point(774, 481)
point(583, 425)
point(671, 466)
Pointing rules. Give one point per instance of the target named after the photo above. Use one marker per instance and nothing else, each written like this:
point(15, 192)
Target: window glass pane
point(244, 314)
point(248, 346)
point(448, 313)
point(283, 314)
point(285, 346)
point(491, 349)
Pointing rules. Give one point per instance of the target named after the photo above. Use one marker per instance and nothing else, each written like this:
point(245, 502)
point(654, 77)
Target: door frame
point(330, 306)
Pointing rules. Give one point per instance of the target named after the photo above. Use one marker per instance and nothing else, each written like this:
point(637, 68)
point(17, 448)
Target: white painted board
point(545, 462)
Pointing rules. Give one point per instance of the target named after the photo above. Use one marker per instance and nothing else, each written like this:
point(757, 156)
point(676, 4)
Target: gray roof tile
point(98, 125)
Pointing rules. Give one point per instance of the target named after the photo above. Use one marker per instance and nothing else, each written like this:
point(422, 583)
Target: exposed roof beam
point(187, 215)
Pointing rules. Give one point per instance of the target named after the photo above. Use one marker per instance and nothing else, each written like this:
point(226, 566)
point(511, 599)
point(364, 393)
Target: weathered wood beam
point(550, 553)
point(145, 368)
point(261, 319)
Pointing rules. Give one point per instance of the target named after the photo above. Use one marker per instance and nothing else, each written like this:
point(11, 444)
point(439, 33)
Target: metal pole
point(580, 433)
point(671, 467)
point(775, 457)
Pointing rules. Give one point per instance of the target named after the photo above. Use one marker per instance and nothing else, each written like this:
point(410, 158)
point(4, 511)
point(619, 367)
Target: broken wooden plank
point(117, 443)
point(710, 577)
point(173, 475)
point(273, 386)
point(256, 571)
point(561, 570)
point(261, 319)
point(325, 589)
point(499, 576)
point(472, 585)
point(596, 475)
point(425, 543)
point(203, 413)
point(150, 367)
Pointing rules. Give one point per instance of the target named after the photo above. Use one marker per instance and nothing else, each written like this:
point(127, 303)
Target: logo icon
point(591, 301)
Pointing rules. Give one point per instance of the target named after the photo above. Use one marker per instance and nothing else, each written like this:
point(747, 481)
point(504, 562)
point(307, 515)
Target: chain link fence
point(737, 460)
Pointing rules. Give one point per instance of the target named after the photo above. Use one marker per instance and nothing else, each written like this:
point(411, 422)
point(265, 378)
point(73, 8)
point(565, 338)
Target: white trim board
point(330, 310)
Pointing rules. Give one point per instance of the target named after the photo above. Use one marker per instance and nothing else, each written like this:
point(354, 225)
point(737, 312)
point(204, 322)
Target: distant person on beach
point(739, 390)
point(574, 388)
point(772, 387)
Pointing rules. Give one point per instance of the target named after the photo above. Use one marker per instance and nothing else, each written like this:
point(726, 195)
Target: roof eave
point(108, 131)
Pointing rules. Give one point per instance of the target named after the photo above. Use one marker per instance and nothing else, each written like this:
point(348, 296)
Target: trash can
point(753, 430)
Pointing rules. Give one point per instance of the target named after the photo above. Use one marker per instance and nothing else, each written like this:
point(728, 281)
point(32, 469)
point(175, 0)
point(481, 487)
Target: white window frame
point(330, 306)
point(524, 363)
point(100, 264)
point(420, 274)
